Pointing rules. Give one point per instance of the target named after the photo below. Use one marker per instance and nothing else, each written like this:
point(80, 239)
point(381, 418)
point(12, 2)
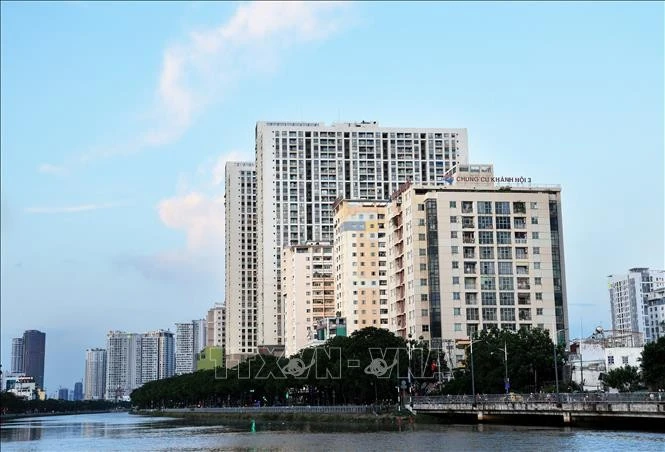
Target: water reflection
point(124, 432)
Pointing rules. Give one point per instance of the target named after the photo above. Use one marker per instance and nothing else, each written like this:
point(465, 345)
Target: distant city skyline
point(113, 148)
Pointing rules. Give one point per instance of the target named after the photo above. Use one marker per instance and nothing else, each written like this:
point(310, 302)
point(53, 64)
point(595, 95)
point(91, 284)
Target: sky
point(117, 120)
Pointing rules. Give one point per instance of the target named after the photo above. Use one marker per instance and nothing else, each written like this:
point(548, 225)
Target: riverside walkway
point(568, 408)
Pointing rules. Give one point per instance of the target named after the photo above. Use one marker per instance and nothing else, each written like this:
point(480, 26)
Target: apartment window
point(421, 237)
point(486, 252)
point(536, 250)
point(485, 222)
point(505, 268)
point(423, 297)
point(472, 314)
point(423, 312)
point(487, 268)
point(506, 283)
point(423, 251)
point(421, 222)
point(457, 311)
point(453, 219)
point(458, 327)
point(502, 208)
point(421, 207)
point(534, 235)
point(534, 205)
point(488, 298)
point(506, 298)
point(534, 220)
point(454, 250)
point(539, 296)
point(538, 281)
point(467, 207)
point(484, 207)
point(485, 237)
point(487, 283)
point(507, 314)
point(423, 281)
point(539, 311)
point(455, 264)
point(519, 207)
point(456, 296)
point(505, 252)
point(453, 234)
point(610, 360)
point(624, 360)
point(489, 314)
point(536, 265)
point(453, 204)
point(455, 279)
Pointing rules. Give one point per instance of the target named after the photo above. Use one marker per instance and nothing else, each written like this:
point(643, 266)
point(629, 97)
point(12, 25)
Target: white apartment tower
point(157, 355)
point(123, 365)
point(308, 292)
point(628, 300)
point(216, 326)
point(189, 340)
point(241, 258)
point(95, 374)
point(302, 168)
point(475, 255)
point(361, 263)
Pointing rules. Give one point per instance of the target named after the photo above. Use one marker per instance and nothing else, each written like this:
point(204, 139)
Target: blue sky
point(117, 119)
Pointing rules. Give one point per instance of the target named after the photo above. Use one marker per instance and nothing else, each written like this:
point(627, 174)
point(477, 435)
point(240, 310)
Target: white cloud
point(198, 70)
point(47, 168)
point(71, 209)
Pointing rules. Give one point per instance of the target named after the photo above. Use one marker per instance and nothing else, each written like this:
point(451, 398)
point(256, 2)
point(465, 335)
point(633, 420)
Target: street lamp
point(506, 381)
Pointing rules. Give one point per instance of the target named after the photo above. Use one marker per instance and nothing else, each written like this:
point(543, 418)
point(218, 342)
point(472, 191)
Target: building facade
point(190, 338)
point(34, 348)
point(628, 300)
point(17, 355)
point(216, 326)
point(655, 305)
point(123, 369)
point(475, 255)
point(95, 374)
point(308, 293)
point(361, 263)
point(157, 355)
point(77, 393)
point(302, 168)
point(241, 257)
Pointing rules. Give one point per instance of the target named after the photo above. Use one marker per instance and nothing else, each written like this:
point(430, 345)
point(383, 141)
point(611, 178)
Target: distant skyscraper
point(63, 394)
point(241, 253)
point(17, 355)
point(629, 302)
point(95, 374)
point(34, 344)
point(78, 391)
point(189, 340)
point(302, 168)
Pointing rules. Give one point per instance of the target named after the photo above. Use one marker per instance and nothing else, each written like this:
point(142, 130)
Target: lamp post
point(506, 381)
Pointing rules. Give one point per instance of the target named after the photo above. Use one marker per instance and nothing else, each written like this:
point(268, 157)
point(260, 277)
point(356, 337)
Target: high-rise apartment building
point(34, 347)
point(655, 304)
point(308, 292)
point(95, 374)
point(302, 168)
point(123, 368)
point(157, 356)
point(189, 340)
point(63, 394)
point(361, 263)
point(17, 355)
point(216, 326)
point(628, 300)
point(241, 258)
point(475, 255)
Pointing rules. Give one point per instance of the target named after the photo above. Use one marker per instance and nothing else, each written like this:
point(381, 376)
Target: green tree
point(625, 379)
point(653, 364)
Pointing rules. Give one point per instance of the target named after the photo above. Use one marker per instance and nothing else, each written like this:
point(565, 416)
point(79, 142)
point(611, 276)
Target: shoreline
point(10, 416)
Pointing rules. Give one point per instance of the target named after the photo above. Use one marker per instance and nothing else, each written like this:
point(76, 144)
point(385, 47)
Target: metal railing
point(627, 397)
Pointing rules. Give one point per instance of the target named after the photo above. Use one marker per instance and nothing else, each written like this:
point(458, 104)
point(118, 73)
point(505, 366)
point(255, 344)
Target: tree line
point(11, 404)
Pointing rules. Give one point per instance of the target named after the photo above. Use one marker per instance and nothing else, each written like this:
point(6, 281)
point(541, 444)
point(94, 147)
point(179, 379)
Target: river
point(125, 432)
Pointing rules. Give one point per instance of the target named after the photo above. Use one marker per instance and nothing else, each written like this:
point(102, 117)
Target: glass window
point(487, 268)
point(457, 311)
point(486, 237)
point(534, 235)
point(485, 222)
point(455, 264)
point(455, 279)
point(489, 314)
point(505, 268)
point(453, 234)
point(508, 314)
point(536, 250)
point(506, 283)
point(488, 283)
point(454, 250)
point(486, 252)
point(507, 298)
point(488, 298)
point(534, 220)
point(472, 314)
point(484, 207)
point(502, 208)
point(503, 222)
point(453, 219)
point(453, 204)
point(505, 252)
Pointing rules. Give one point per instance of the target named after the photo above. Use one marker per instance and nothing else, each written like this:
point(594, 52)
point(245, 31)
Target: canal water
point(125, 432)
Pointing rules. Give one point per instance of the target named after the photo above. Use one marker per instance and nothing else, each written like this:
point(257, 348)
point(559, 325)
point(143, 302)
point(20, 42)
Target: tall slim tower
point(95, 374)
point(34, 345)
point(123, 370)
point(157, 355)
point(302, 168)
point(189, 340)
point(17, 355)
point(241, 254)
